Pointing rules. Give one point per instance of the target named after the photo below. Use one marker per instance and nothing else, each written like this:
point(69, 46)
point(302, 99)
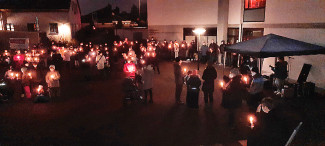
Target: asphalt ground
point(90, 112)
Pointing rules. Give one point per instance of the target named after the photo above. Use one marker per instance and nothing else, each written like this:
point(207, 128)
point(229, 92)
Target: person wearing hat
point(255, 90)
point(233, 92)
point(147, 78)
point(53, 82)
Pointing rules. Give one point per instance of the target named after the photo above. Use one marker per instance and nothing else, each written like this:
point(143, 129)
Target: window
point(31, 27)
point(54, 28)
point(10, 27)
point(254, 4)
point(252, 33)
point(254, 10)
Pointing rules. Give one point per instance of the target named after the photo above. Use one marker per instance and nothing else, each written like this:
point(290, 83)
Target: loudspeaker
point(304, 73)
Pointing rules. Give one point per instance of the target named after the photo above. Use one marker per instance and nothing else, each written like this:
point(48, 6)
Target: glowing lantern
point(129, 67)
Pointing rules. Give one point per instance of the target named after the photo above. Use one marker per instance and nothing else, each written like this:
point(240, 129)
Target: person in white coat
point(100, 63)
point(176, 48)
point(147, 77)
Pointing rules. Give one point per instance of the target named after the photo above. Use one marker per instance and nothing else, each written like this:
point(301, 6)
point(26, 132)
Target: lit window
point(54, 28)
point(10, 27)
point(254, 4)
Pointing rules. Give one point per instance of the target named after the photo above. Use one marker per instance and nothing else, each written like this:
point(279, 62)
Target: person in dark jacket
point(193, 90)
point(233, 92)
point(270, 129)
point(204, 51)
point(209, 75)
point(178, 80)
point(255, 90)
point(280, 74)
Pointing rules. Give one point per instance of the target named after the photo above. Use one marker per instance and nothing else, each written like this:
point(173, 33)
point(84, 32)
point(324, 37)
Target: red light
point(129, 67)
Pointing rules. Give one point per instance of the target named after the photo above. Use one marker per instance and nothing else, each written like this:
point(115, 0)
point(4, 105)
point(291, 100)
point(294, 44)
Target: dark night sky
point(88, 6)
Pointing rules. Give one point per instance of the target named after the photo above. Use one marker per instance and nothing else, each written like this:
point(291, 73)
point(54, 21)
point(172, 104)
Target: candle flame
point(222, 83)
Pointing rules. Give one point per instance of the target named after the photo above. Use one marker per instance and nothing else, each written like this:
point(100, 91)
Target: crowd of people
point(30, 70)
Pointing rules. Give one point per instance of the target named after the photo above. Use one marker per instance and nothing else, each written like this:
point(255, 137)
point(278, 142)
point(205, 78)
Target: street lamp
point(199, 32)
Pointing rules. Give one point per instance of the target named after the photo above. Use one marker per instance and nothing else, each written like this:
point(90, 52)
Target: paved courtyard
point(91, 113)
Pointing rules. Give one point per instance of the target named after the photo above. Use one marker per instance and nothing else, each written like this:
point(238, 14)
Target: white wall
point(182, 12)
point(20, 20)
point(235, 8)
point(314, 36)
point(74, 16)
point(295, 11)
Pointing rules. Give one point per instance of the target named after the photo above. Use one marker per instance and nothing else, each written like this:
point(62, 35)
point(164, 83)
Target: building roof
point(35, 4)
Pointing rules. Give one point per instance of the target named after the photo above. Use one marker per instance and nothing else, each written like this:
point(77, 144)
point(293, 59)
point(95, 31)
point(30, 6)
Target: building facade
point(245, 19)
point(58, 22)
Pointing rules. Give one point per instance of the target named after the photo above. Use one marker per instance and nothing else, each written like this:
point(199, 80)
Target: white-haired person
point(53, 82)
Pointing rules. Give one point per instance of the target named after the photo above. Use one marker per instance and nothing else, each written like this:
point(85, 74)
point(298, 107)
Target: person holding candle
point(209, 75)
point(178, 73)
point(176, 48)
point(255, 90)
point(100, 63)
point(233, 92)
point(53, 82)
point(270, 128)
point(26, 82)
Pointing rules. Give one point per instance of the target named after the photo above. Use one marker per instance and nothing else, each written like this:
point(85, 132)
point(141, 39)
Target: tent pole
point(260, 65)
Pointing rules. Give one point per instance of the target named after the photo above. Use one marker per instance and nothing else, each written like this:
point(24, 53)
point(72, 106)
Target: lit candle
point(11, 75)
point(185, 69)
point(30, 75)
point(251, 121)
point(17, 76)
point(222, 84)
point(245, 79)
point(52, 76)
